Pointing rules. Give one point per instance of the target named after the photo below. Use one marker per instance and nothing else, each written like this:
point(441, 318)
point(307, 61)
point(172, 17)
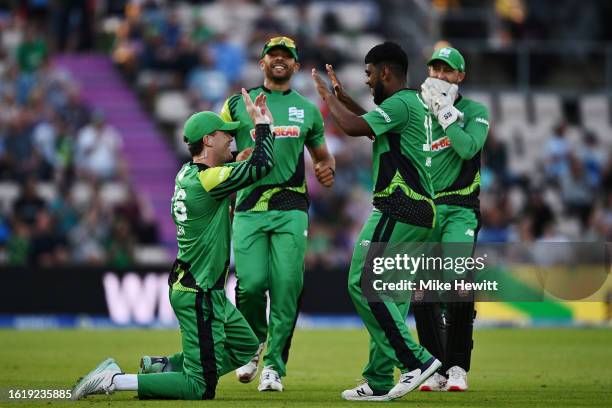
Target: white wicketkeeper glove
point(447, 115)
point(440, 96)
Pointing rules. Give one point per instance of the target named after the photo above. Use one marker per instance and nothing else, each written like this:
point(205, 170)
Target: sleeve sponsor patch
point(383, 114)
point(483, 121)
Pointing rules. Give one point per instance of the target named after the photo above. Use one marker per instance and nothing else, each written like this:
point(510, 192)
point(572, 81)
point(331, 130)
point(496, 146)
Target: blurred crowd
point(56, 155)
point(207, 51)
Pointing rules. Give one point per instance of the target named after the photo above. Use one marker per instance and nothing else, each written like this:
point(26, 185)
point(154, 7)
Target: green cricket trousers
point(216, 339)
point(269, 250)
point(391, 344)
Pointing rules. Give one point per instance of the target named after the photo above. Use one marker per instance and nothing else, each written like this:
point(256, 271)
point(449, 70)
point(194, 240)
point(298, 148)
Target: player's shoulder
point(408, 98)
point(237, 97)
point(474, 106)
point(185, 172)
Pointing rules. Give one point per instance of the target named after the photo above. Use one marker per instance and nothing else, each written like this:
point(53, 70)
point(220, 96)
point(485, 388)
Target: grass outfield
point(511, 367)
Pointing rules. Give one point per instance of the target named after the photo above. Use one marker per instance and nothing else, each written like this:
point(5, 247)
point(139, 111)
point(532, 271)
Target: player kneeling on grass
point(215, 336)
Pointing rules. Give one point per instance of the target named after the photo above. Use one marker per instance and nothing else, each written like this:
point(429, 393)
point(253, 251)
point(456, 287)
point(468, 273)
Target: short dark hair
point(390, 54)
point(194, 148)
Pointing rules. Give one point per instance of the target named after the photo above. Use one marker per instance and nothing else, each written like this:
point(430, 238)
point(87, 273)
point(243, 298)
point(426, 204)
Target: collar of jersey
point(266, 90)
point(201, 166)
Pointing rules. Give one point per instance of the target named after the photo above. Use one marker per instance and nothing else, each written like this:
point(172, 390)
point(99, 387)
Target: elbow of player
point(466, 154)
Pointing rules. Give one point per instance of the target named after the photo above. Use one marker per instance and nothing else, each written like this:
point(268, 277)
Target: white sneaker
point(457, 379)
point(269, 380)
point(97, 381)
point(363, 392)
point(436, 382)
point(248, 372)
point(410, 380)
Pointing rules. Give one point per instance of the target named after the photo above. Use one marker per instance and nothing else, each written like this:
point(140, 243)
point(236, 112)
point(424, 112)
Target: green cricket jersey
point(297, 122)
point(200, 210)
point(401, 157)
point(455, 169)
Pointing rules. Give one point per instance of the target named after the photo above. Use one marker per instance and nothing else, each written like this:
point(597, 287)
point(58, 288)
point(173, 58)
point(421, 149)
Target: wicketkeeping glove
point(440, 96)
point(441, 87)
point(448, 115)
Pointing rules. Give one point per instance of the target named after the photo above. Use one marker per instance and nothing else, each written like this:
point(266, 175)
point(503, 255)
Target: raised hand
point(258, 110)
point(320, 84)
point(338, 89)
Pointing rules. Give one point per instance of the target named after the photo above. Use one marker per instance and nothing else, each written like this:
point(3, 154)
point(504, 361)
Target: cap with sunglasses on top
point(282, 42)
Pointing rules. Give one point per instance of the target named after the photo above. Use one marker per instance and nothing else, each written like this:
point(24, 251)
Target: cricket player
point(404, 211)
point(460, 128)
point(215, 336)
point(270, 224)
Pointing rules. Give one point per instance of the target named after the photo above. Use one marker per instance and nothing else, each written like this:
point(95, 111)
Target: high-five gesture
point(336, 85)
point(257, 110)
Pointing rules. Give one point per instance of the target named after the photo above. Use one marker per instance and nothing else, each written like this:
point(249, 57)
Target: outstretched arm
point(349, 122)
point(342, 96)
point(224, 180)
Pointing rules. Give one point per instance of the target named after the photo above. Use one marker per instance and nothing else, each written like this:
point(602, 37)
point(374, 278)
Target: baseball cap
point(283, 42)
point(449, 55)
point(204, 123)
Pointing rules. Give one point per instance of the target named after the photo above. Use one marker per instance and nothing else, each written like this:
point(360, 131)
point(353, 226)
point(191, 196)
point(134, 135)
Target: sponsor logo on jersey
point(383, 114)
point(440, 144)
point(469, 232)
point(282, 132)
point(482, 120)
point(365, 243)
point(296, 115)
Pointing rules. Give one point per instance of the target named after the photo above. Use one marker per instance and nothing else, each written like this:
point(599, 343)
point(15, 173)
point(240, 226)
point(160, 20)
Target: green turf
point(511, 367)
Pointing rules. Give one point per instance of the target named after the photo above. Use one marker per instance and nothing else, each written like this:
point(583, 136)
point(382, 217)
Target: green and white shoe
point(97, 381)
point(153, 365)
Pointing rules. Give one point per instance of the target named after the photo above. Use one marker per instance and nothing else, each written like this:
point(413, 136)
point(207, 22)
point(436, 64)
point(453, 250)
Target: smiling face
point(278, 65)
point(218, 145)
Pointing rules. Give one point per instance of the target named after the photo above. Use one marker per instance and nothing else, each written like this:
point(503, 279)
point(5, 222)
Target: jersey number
point(178, 205)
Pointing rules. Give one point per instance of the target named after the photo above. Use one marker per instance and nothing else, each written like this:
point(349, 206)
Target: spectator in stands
point(228, 57)
point(97, 155)
point(495, 219)
point(556, 153)
point(606, 178)
point(266, 26)
point(47, 248)
point(577, 191)
point(18, 245)
point(88, 238)
point(140, 217)
point(28, 204)
point(602, 219)
point(64, 210)
point(207, 83)
point(172, 30)
point(495, 157)
point(593, 157)
point(18, 145)
point(121, 245)
point(32, 52)
point(539, 212)
point(75, 113)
